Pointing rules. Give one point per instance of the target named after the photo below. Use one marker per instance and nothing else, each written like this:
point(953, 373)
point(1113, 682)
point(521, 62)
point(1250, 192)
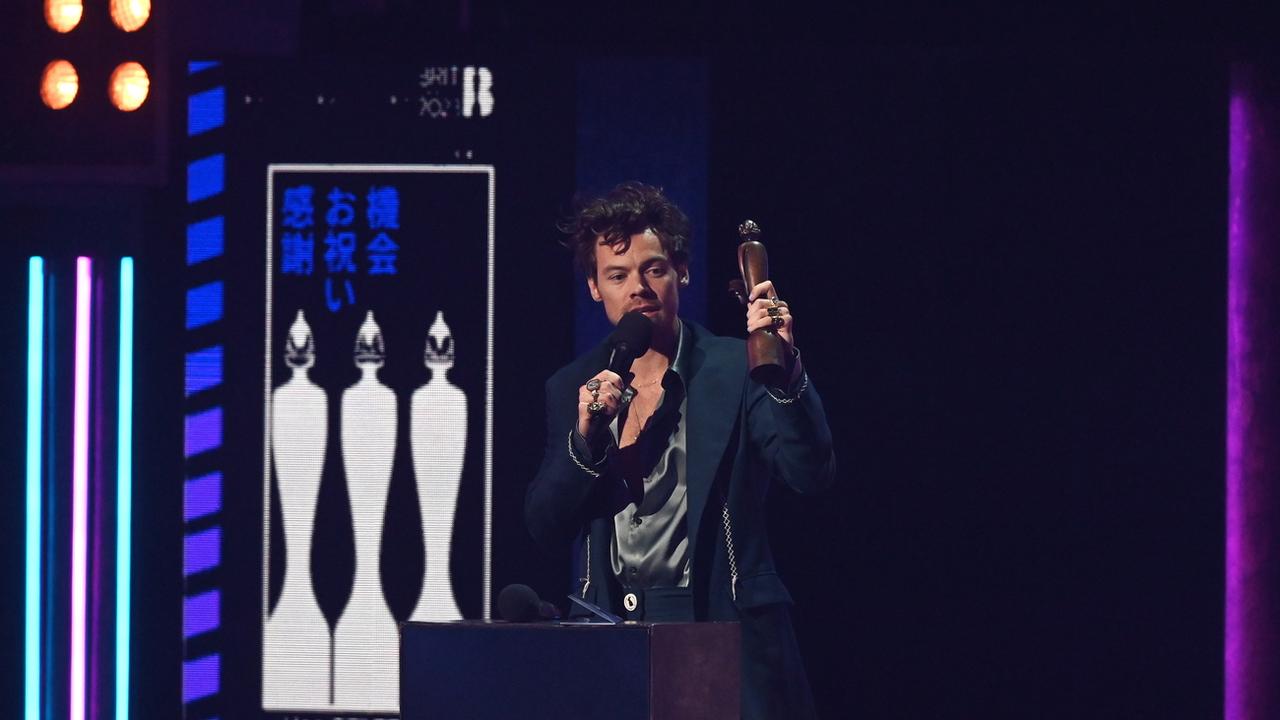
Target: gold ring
point(595, 407)
point(773, 301)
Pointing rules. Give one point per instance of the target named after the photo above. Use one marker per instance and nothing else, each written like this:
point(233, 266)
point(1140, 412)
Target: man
point(663, 475)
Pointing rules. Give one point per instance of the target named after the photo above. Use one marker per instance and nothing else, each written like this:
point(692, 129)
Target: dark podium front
point(633, 671)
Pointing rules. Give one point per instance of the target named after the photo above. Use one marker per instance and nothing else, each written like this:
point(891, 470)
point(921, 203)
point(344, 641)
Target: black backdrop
point(1008, 267)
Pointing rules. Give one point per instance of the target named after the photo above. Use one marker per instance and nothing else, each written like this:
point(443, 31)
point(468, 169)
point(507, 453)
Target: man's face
point(642, 278)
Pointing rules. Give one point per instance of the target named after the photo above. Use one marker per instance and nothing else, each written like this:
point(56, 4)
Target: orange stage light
point(129, 15)
point(129, 86)
point(59, 84)
point(63, 15)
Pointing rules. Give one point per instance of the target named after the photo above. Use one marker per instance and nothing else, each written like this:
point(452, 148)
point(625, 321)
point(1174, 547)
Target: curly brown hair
point(626, 210)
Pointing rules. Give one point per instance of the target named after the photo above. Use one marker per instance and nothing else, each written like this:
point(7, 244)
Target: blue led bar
point(124, 490)
point(35, 443)
point(202, 436)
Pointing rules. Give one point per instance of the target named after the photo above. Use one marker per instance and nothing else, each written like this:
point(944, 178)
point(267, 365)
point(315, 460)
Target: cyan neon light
point(204, 239)
point(35, 443)
point(206, 111)
point(204, 304)
point(124, 491)
point(80, 488)
point(205, 177)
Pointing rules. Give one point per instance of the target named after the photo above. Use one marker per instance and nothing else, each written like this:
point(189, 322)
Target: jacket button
point(630, 602)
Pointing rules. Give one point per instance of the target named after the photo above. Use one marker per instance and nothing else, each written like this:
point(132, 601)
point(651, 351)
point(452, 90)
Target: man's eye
point(616, 277)
point(658, 271)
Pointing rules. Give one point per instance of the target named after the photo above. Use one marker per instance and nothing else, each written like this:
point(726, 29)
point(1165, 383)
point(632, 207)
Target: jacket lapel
point(716, 375)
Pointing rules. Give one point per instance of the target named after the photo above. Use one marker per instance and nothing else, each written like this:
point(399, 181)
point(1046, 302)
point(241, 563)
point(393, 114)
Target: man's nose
point(641, 286)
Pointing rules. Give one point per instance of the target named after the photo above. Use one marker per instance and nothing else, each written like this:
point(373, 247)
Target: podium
point(530, 671)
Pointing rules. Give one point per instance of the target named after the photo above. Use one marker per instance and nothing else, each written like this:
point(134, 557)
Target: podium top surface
point(633, 624)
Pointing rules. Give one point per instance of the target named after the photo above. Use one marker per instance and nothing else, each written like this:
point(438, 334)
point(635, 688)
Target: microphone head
point(518, 603)
point(634, 332)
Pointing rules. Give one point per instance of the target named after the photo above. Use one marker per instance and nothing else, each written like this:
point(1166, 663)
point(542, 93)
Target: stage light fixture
point(59, 84)
point(129, 86)
point(63, 15)
point(129, 15)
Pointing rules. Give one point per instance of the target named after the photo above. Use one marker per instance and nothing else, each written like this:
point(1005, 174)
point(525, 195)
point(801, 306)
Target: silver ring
point(593, 385)
point(778, 321)
point(595, 407)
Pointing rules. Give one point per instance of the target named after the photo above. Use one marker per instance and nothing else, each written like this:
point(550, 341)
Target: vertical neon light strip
point(1233, 665)
point(35, 445)
point(80, 488)
point(124, 490)
point(1251, 632)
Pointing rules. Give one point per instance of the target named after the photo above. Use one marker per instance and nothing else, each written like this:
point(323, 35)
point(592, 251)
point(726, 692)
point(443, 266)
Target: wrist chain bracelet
point(574, 456)
point(804, 383)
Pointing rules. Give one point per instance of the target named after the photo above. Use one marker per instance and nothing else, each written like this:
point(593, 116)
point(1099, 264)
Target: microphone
point(627, 342)
point(519, 603)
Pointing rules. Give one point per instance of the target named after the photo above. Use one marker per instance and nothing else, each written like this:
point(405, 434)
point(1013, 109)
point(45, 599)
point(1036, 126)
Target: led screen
point(378, 377)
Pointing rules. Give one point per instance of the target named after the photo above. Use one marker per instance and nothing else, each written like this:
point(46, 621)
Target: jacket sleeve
point(792, 435)
point(565, 494)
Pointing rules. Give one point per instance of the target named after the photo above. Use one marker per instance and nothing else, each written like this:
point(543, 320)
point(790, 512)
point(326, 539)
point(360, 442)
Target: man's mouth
point(647, 309)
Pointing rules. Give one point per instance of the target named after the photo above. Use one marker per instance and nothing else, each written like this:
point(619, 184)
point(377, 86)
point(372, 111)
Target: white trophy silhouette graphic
point(295, 645)
point(366, 640)
point(438, 433)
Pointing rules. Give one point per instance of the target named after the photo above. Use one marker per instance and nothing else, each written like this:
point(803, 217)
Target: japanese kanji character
point(299, 253)
point(298, 210)
point(382, 255)
point(338, 257)
point(383, 208)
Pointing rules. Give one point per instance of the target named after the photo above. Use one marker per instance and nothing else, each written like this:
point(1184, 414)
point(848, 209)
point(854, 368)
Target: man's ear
point(595, 291)
point(683, 274)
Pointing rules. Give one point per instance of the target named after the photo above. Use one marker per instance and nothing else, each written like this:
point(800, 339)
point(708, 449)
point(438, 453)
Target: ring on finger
point(778, 321)
point(593, 385)
point(773, 311)
point(773, 301)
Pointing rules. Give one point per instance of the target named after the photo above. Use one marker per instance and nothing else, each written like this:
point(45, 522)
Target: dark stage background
point(1008, 265)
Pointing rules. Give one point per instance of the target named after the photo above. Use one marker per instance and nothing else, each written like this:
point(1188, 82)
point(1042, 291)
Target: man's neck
point(661, 354)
